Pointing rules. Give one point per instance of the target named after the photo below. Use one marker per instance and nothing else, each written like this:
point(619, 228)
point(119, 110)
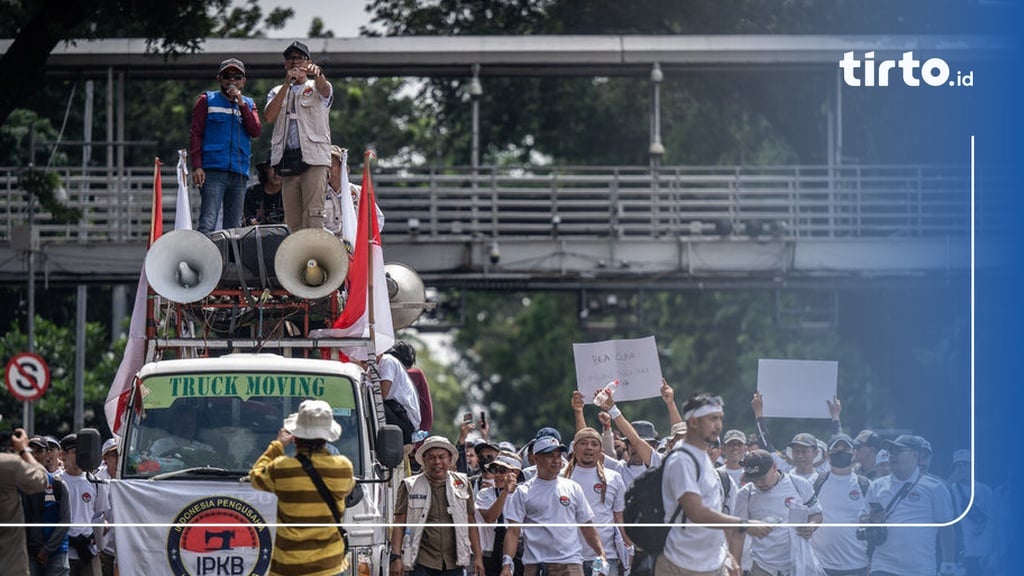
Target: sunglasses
point(236, 76)
point(487, 459)
point(295, 58)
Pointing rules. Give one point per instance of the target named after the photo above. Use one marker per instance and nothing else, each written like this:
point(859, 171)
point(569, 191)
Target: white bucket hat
point(314, 420)
point(435, 442)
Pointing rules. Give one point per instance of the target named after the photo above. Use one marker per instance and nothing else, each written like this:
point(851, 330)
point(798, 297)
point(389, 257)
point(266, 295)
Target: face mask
point(841, 459)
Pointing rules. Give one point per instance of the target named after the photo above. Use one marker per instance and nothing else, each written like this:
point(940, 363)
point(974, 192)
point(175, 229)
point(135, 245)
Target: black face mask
point(840, 459)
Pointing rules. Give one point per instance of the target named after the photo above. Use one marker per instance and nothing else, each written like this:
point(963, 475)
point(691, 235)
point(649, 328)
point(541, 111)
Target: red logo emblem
point(855, 494)
point(598, 487)
point(913, 496)
point(86, 497)
point(563, 500)
point(457, 482)
point(791, 501)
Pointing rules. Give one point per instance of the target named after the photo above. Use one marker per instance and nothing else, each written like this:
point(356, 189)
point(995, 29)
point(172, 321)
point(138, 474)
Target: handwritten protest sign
point(634, 362)
point(797, 388)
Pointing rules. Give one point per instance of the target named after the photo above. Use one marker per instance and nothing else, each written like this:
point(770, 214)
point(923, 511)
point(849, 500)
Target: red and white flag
point(367, 264)
point(135, 349)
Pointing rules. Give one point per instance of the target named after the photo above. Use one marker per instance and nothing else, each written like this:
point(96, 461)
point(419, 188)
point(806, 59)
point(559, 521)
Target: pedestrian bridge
point(569, 227)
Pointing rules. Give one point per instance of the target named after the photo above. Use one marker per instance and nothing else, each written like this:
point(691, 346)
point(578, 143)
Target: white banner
point(797, 388)
point(215, 528)
point(634, 362)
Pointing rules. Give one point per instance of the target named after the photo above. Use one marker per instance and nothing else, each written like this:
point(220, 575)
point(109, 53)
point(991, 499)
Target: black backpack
point(644, 506)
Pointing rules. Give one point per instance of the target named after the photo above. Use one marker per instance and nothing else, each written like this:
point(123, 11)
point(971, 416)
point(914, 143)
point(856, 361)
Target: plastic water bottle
point(600, 566)
point(419, 436)
point(605, 392)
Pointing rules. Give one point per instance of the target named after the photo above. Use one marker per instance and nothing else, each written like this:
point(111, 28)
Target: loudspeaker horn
point(183, 266)
point(311, 263)
point(407, 294)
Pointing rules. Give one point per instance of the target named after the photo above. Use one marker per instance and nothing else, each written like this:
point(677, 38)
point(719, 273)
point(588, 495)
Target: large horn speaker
point(183, 266)
point(311, 263)
point(407, 294)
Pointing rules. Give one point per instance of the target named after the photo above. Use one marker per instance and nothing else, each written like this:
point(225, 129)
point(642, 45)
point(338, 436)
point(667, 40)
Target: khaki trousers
point(302, 197)
point(665, 567)
point(554, 569)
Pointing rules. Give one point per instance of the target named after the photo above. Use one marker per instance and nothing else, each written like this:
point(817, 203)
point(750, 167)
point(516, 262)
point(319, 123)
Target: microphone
point(233, 93)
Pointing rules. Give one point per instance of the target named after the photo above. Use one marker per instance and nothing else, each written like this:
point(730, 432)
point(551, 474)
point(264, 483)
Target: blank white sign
point(797, 388)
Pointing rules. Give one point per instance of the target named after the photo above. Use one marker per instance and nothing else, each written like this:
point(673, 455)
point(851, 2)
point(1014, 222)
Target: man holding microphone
point(223, 122)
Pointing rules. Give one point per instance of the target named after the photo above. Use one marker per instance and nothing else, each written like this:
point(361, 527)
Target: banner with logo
point(216, 528)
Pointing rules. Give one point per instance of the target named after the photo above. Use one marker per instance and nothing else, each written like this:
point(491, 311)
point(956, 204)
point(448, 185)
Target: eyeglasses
point(237, 76)
point(296, 58)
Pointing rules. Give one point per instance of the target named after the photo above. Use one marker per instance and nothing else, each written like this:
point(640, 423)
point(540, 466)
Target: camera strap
point(904, 491)
point(318, 481)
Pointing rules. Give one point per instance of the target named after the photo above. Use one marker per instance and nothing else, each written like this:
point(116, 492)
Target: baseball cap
point(69, 442)
point(482, 444)
point(734, 436)
point(962, 455)
point(232, 63)
point(507, 446)
point(645, 430)
point(756, 464)
point(868, 438)
point(297, 47)
point(548, 431)
point(547, 444)
point(837, 438)
point(678, 429)
point(51, 442)
point(804, 439)
point(905, 442)
point(507, 461)
point(110, 444)
point(39, 443)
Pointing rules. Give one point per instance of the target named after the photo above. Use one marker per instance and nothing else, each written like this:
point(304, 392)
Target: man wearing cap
point(803, 450)
point(306, 550)
point(865, 452)
point(549, 505)
point(773, 497)
point(734, 446)
point(835, 408)
point(490, 511)
point(85, 503)
point(341, 206)
point(692, 490)
point(431, 502)
point(300, 147)
point(640, 437)
point(606, 494)
point(544, 432)
point(976, 533)
point(907, 496)
point(882, 467)
point(223, 121)
point(841, 494)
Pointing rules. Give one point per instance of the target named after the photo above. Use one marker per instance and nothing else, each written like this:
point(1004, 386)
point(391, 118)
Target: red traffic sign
point(27, 376)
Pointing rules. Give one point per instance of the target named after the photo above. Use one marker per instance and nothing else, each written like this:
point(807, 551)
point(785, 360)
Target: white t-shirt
point(910, 551)
point(84, 502)
point(628, 471)
point(541, 503)
point(402, 389)
point(614, 501)
point(694, 548)
point(484, 500)
point(841, 502)
point(772, 552)
point(977, 526)
point(736, 474)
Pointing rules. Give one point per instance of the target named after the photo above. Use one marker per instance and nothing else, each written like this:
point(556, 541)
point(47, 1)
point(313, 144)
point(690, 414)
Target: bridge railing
point(614, 202)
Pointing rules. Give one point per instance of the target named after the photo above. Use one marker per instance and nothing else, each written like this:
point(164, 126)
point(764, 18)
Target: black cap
point(905, 442)
point(756, 463)
point(37, 443)
point(69, 442)
point(868, 438)
point(840, 437)
point(297, 47)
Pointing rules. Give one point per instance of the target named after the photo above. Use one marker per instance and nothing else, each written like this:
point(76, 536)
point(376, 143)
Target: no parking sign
point(27, 376)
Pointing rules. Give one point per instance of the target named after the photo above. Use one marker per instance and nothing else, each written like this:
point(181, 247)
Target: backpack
point(861, 480)
point(644, 506)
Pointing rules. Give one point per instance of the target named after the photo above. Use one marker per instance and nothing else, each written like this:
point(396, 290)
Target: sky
point(343, 17)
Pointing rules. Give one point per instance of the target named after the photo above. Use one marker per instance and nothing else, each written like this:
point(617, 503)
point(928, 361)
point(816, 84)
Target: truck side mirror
point(389, 446)
point(87, 453)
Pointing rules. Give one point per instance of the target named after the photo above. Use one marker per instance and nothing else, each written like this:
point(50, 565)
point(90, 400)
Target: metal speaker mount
point(183, 266)
point(407, 294)
point(311, 263)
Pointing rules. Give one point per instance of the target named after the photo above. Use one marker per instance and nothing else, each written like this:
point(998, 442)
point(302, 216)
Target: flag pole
point(371, 354)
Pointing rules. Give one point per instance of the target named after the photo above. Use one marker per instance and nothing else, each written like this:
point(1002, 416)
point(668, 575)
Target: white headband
point(703, 411)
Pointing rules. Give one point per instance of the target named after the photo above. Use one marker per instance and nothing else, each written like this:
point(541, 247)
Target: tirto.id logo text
point(933, 71)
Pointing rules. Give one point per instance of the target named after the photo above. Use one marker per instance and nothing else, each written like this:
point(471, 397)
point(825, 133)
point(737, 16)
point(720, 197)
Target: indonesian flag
point(135, 350)
point(359, 319)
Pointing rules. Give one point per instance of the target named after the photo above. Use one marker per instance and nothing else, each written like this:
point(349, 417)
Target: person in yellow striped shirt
point(305, 550)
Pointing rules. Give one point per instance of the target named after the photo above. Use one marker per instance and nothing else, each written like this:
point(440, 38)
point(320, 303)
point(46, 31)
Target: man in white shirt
point(977, 533)
point(776, 498)
point(395, 385)
point(908, 496)
point(550, 505)
point(803, 449)
point(605, 492)
point(734, 447)
point(85, 507)
point(691, 485)
point(841, 494)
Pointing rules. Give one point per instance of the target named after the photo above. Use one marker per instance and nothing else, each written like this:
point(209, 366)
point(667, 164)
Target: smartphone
point(467, 417)
point(483, 418)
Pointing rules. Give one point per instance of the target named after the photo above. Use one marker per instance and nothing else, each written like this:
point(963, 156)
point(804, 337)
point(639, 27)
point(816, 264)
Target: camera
point(873, 535)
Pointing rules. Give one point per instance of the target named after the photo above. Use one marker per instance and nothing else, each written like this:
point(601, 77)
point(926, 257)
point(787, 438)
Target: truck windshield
point(227, 420)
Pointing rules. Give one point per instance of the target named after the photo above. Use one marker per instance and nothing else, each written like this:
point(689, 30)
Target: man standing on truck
point(306, 550)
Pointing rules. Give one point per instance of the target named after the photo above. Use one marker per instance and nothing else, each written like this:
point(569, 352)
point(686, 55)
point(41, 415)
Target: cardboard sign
point(797, 388)
point(633, 362)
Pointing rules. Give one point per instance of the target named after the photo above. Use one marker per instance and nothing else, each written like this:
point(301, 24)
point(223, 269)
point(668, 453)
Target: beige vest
point(314, 128)
point(458, 491)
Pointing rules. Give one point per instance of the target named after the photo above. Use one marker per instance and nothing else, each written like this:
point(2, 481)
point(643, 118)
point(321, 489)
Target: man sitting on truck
point(306, 550)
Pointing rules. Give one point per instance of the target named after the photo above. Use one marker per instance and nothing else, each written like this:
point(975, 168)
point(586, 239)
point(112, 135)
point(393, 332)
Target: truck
point(201, 410)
